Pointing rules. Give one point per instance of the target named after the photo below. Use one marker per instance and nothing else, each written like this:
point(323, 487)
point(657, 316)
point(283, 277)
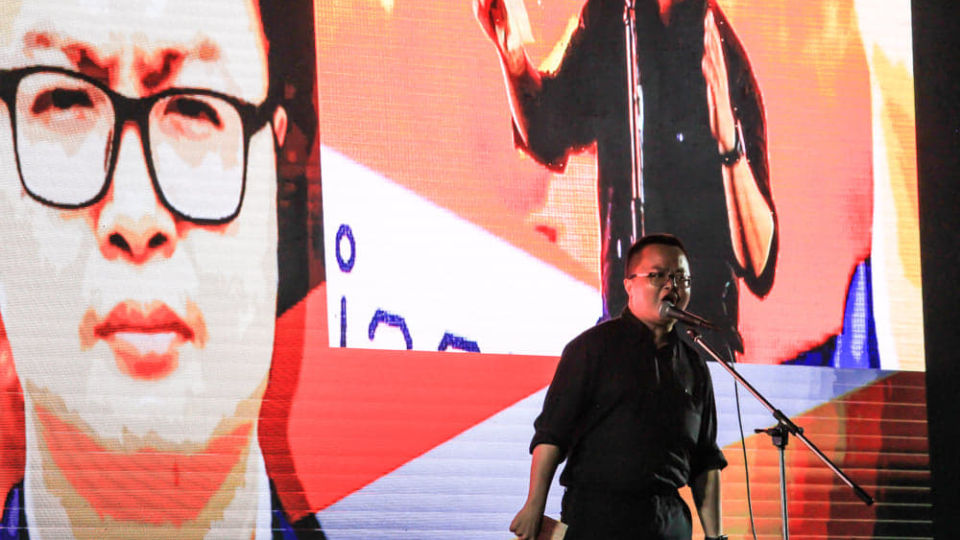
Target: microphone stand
point(780, 435)
point(635, 116)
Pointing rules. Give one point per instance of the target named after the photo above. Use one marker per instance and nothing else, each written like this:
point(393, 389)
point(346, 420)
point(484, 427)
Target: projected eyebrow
point(85, 59)
point(155, 69)
point(155, 73)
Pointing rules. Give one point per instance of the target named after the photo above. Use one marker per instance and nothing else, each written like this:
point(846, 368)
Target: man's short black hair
point(662, 239)
point(289, 29)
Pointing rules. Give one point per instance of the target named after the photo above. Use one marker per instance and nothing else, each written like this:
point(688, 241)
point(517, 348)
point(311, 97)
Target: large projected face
point(138, 255)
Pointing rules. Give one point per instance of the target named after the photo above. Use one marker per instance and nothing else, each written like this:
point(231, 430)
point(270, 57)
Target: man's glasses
point(659, 279)
point(67, 127)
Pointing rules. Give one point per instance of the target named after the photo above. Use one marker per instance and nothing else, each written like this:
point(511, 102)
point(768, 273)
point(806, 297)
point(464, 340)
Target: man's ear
point(280, 125)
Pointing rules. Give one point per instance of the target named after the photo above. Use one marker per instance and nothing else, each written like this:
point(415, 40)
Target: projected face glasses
point(67, 129)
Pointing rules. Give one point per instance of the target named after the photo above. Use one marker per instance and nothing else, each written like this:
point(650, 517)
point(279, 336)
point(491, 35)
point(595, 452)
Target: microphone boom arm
point(784, 423)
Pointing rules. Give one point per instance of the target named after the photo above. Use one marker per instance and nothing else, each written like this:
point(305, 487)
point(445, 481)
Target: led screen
point(245, 243)
point(473, 236)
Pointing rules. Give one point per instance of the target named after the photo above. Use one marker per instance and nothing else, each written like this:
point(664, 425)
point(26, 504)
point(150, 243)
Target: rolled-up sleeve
point(707, 455)
point(564, 403)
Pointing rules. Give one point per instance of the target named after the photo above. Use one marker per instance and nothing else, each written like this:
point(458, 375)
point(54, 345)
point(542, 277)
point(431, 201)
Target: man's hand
point(526, 524)
point(492, 16)
point(722, 124)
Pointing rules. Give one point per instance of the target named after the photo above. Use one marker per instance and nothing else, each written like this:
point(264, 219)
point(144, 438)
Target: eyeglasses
point(67, 127)
point(659, 279)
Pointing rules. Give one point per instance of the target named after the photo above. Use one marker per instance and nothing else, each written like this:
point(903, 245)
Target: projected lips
point(146, 342)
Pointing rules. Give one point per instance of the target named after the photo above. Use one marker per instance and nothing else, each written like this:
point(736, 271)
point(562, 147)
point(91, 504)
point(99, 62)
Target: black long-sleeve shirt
point(627, 416)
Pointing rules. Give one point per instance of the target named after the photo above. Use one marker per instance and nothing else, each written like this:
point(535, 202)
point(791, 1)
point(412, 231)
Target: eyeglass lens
point(65, 131)
point(661, 278)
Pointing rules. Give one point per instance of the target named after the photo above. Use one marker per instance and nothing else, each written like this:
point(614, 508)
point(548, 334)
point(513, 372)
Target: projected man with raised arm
point(704, 158)
point(138, 266)
point(631, 409)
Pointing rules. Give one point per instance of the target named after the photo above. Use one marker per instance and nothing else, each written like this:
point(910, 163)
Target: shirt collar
point(644, 331)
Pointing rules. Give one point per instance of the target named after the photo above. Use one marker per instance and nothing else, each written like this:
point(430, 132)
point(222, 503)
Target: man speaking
point(631, 409)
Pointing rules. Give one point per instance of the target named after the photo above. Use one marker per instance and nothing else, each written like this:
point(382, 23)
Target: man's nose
point(132, 223)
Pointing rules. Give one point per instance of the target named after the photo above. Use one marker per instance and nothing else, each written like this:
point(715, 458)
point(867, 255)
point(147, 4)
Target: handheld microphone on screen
point(667, 309)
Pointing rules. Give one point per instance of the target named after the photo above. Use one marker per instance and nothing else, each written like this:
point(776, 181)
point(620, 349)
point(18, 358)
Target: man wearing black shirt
point(631, 408)
point(705, 173)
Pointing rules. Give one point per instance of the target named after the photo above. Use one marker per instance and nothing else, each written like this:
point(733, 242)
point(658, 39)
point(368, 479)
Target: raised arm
point(749, 210)
point(522, 79)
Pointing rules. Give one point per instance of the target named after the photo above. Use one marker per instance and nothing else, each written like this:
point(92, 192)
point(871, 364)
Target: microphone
point(667, 309)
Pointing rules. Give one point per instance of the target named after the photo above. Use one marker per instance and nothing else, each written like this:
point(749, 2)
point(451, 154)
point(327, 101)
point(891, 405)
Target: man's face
point(644, 293)
point(124, 317)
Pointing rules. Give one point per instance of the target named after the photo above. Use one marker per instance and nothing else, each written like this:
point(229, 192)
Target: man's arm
point(706, 497)
point(750, 215)
point(522, 79)
point(707, 460)
point(526, 524)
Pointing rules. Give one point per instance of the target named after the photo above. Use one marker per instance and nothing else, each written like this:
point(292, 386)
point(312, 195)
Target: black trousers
point(599, 515)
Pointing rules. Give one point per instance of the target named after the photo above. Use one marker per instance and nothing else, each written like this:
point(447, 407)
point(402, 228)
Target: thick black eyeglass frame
point(252, 117)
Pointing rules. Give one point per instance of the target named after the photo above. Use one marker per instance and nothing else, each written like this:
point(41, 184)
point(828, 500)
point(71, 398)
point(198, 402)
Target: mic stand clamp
point(780, 434)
